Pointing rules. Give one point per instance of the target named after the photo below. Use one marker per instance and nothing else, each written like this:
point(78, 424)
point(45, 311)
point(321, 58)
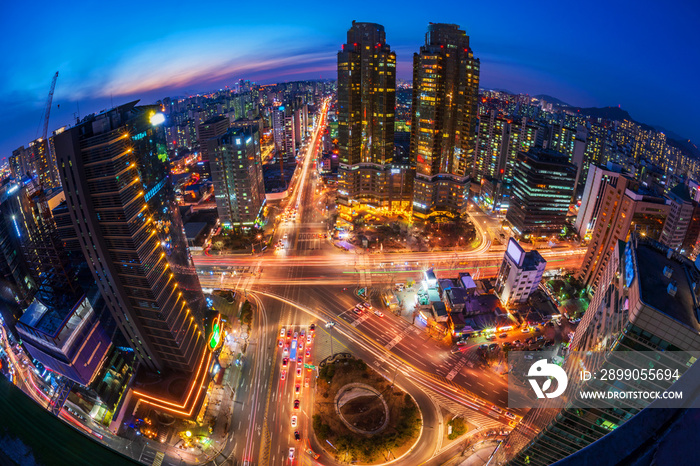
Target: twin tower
point(435, 179)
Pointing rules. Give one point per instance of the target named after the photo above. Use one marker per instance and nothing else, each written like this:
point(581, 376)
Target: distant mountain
point(550, 99)
point(608, 113)
point(500, 90)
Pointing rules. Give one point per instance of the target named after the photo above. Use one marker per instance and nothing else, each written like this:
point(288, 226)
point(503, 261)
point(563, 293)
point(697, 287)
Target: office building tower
point(444, 116)
point(238, 178)
point(17, 288)
point(210, 129)
point(42, 163)
point(366, 101)
point(626, 207)
point(680, 216)
point(543, 184)
point(105, 162)
point(643, 315)
point(519, 275)
point(592, 199)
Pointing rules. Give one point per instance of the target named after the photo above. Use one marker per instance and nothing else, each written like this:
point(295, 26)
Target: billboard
point(514, 251)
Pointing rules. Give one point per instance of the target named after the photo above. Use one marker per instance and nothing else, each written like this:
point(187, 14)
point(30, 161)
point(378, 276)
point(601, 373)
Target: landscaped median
point(360, 416)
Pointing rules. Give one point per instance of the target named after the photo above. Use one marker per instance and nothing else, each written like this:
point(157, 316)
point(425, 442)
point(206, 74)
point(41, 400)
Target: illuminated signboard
point(215, 338)
point(514, 251)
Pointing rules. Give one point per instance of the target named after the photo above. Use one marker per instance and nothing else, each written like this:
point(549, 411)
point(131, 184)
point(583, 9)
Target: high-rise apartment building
point(644, 315)
point(591, 201)
point(238, 178)
point(107, 171)
point(679, 219)
point(444, 117)
point(210, 129)
point(543, 184)
point(625, 207)
point(366, 105)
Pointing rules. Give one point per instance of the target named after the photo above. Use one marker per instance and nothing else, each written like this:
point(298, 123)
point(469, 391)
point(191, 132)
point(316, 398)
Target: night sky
point(642, 55)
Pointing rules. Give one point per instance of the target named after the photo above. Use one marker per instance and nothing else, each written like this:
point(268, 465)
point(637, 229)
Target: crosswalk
point(469, 414)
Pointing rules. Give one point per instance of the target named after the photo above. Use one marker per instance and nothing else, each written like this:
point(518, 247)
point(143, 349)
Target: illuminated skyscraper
point(110, 166)
point(238, 179)
point(543, 184)
point(366, 101)
point(443, 129)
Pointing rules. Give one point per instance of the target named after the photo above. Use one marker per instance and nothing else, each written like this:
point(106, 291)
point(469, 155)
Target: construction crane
point(48, 107)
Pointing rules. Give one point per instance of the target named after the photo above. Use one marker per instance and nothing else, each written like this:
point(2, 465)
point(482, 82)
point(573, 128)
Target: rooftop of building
point(55, 320)
point(547, 156)
point(651, 260)
point(681, 192)
point(532, 259)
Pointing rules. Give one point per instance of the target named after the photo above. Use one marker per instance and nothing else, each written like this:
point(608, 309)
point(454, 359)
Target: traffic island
point(360, 416)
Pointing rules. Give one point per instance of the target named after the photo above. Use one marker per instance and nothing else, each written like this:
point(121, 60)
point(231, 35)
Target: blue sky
point(641, 55)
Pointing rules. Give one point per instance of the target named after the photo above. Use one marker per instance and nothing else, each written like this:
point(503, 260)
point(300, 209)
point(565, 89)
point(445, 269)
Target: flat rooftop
point(653, 284)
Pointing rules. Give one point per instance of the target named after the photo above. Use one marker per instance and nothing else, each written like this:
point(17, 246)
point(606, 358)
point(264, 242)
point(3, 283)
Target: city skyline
point(178, 56)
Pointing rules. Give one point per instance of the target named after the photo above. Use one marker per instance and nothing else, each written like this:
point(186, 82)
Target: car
point(308, 339)
point(296, 335)
point(510, 415)
point(528, 356)
point(357, 310)
point(291, 453)
point(312, 327)
point(525, 330)
point(493, 346)
point(491, 337)
point(297, 436)
point(289, 334)
point(367, 305)
point(507, 344)
point(297, 389)
point(285, 350)
point(298, 371)
point(483, 347)
point(285, 236)
point(301, 346)
point(530, 341)
point(496, 408)
point(281, 343)
point(540, 338)
point(302, 332)
point(294, 421)
point(548, 344)
point(306, 382)
point(517, 342)
point(503, 335)
point(378, 313)
point(282, 332)
point(283, 375)
point(296, 404)
point(461, 343)
point(312, 454)
point(284, 362)
point(300, 360)
point(308, 353)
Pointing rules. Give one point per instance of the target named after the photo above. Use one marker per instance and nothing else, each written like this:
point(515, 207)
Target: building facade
point(366, 105)
point(103, 164)
point(238, 178)
point(444, 116)
point(519, 275)
point(543, 185)
point(626, 207)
